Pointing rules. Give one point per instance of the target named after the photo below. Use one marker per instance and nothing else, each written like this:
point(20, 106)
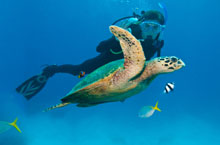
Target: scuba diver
point(146, 27)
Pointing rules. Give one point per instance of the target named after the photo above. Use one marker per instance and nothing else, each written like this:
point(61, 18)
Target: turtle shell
point(98, 74)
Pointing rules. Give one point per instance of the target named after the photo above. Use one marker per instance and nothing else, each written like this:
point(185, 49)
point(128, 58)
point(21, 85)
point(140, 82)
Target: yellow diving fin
point(15, 125)
point(156, 108)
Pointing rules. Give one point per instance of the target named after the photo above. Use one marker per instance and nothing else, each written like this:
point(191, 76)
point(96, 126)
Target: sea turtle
point(118, 80)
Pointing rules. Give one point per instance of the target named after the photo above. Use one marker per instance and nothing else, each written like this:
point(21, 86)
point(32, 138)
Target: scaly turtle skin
point(120, 79)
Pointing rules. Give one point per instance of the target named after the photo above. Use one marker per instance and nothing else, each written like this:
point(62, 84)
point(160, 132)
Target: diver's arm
point(158, 53)
point(87, 66)
point(160, 45)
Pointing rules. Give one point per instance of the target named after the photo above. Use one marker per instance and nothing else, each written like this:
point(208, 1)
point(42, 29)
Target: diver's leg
point(35, 84)
point(89, 65)
point(32, 86)
point(100, 60)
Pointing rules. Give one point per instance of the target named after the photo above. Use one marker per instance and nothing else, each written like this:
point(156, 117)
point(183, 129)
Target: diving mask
point(151, 28)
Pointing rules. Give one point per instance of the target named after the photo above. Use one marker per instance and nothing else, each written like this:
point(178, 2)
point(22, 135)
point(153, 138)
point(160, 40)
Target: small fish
point(169, 87)
point(81, 74)
point(148, 111)
point(5, 126)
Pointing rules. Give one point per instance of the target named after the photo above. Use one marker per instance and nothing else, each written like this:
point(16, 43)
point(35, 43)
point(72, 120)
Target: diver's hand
point(158, 43)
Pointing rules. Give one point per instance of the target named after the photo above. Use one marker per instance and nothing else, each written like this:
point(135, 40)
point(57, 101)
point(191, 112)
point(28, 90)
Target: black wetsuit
point(149, 45)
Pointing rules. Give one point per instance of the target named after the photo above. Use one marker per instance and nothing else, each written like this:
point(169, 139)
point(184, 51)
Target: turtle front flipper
point(134, 59)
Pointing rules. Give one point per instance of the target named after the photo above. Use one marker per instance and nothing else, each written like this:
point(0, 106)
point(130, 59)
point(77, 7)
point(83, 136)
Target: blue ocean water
point(33, 33)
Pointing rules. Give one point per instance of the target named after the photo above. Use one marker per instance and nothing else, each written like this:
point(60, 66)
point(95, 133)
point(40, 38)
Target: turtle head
point(167, 64)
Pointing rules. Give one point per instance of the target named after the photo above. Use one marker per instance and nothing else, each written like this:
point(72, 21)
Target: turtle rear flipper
point(56, 106)
point(134, 59)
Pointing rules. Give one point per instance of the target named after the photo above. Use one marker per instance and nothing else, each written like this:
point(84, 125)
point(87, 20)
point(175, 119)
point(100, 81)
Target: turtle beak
point(180, 63)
